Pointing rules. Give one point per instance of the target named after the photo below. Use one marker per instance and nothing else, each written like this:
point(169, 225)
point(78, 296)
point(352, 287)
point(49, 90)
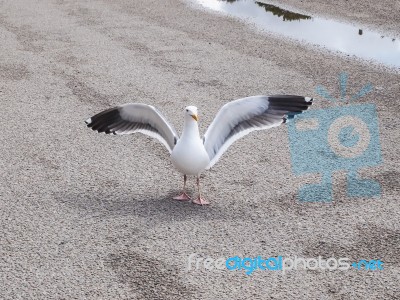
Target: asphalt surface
point(91, 216)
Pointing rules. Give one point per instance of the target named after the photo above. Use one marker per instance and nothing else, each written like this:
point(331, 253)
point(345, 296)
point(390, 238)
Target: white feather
point(240, 117)
point(139, 117)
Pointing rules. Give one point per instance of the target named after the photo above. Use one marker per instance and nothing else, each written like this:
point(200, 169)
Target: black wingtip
point(88, 122)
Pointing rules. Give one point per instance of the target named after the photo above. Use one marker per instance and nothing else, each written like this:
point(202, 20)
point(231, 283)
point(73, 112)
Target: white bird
point(191, 154)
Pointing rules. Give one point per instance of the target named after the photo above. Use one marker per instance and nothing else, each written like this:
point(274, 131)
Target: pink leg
point(183, 196)
point(200, 200)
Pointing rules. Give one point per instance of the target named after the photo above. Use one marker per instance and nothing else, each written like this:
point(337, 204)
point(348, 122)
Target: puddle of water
point(331, 34)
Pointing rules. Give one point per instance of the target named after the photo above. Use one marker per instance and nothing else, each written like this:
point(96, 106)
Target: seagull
point(190, 154)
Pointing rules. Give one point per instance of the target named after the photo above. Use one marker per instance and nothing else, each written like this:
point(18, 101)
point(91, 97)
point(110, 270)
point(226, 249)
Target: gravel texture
point(90, 216)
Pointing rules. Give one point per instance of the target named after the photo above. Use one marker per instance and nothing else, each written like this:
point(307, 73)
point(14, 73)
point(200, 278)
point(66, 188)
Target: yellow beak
point(195, 117)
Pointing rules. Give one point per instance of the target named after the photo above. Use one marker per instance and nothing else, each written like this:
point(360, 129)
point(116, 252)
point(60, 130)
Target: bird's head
point(191, 113)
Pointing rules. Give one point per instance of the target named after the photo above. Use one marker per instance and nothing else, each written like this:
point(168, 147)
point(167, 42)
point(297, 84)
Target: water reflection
point(277, 11)
point(331, 34)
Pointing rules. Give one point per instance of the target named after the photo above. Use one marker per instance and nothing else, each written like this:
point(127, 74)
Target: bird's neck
point(190, 130)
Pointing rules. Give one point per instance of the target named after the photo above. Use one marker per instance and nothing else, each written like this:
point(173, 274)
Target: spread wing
point(135, 117)
point(240, 117)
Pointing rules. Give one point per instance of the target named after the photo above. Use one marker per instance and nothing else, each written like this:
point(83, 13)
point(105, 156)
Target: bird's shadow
point(109, 204)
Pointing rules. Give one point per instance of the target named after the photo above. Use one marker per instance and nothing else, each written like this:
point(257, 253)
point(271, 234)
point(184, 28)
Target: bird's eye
point(187, 110)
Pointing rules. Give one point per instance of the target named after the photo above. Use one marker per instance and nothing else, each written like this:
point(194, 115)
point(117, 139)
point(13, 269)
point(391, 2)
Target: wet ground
point(336, 36)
